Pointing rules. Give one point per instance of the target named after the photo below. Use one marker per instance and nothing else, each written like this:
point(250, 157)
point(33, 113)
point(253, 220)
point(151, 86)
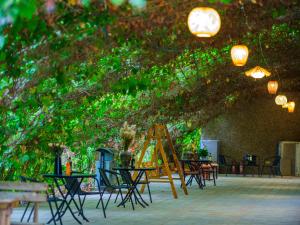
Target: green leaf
point(27, 8)
point(24, 158)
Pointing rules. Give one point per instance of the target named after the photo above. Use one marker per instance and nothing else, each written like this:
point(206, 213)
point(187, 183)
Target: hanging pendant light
point(291, 107)
point(280, 100)
point(257, 72)
point(239, 55)
point(272, 87)
point(204, 22)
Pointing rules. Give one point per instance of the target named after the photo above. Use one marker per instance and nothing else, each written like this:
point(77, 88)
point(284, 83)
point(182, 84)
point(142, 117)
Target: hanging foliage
point(72, 72)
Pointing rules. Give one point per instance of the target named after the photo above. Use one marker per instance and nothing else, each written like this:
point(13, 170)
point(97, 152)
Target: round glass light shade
point(204, 22)
point(291, 107)
point(257, 72)
point(280, 100)
point(272, 87)
point(239, 55)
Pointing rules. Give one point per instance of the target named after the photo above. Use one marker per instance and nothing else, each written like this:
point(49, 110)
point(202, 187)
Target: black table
point(72, 184)
point(133, 182)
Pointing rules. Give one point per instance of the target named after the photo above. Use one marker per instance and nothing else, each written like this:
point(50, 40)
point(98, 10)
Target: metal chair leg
point(31, 212)
point(148, 186)
point(52, 214)
point(25, 211)
point(56, 206)
point(131, 202)
point(117, 196)
point(203, 176)
point(262, 170)
point(108, 200)
point(270, 171)
point(122, 198)
point(98, 203)
point(214, 177)
point(101, 200)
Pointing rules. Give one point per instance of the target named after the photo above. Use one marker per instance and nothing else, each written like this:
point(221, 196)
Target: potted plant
point(127, 133)
point(203, 153)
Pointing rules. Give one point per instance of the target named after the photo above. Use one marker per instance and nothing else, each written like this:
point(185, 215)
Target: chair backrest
point(222, 160)
point(276, 161)
point(73, 186)
point(194, 166)
point(250, 160)
point(126, 177)
point(104, 177)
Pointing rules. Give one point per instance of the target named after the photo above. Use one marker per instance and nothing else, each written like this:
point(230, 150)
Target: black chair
point(111, 188)
point(272, 164)
point(146, 182)
point(51, 198)
point(250, 163)
point(73, 186)
point(225, 162)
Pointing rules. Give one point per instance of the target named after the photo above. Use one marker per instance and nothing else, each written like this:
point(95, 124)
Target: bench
point(11, 193)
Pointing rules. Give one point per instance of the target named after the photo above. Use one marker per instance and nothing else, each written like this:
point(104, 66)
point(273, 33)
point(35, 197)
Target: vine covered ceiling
point(73, 71)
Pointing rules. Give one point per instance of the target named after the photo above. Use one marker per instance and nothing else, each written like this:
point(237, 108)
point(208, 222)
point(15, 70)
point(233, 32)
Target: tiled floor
point(235, 200)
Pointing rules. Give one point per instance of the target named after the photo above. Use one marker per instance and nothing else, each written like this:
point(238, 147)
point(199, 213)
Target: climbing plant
point(72, 72)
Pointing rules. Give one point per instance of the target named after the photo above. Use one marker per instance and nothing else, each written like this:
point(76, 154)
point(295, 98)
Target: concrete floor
point(235, 200)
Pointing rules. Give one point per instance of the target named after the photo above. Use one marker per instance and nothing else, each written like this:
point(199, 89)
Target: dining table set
point(67, 202)
point(70, 193)
point(66, 193)
point(200, 170)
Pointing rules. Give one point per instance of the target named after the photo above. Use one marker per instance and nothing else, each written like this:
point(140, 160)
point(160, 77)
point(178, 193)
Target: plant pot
point(125, 158)
point(203, 157)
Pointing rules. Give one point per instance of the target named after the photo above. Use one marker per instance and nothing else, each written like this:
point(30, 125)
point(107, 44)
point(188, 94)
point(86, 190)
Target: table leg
point(79, 208)
point(135, 183)
point(128, 195)
point(133, 191)
point(64, 202)
point(126, 198)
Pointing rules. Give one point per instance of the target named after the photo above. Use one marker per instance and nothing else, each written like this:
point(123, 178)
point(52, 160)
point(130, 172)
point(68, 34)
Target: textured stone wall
point(255, 127)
